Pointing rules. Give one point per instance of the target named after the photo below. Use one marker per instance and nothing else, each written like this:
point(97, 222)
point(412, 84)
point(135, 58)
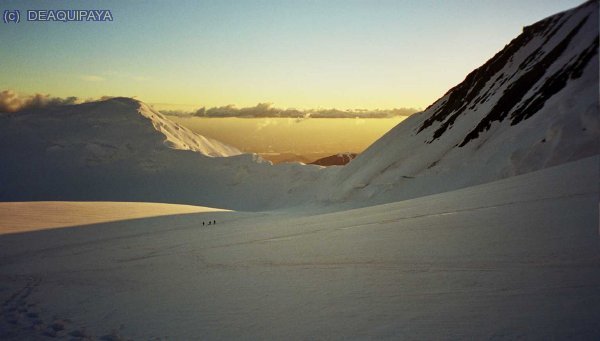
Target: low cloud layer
point(262, 110)
point(10, 101)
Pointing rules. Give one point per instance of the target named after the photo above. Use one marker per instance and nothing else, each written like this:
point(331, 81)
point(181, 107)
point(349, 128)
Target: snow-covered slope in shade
point(532, 106)
point(122, 150)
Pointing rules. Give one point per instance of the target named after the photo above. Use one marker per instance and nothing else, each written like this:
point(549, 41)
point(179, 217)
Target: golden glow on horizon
point(309, 137)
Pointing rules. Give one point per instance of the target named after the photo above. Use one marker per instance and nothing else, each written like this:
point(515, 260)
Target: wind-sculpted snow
point(533, 105)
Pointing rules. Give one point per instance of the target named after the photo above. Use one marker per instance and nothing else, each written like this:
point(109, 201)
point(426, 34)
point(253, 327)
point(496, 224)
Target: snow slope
point(532, 106)
point(122, 150)
point(515, 258)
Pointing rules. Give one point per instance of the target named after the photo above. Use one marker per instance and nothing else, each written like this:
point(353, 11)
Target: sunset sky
point(302, 54)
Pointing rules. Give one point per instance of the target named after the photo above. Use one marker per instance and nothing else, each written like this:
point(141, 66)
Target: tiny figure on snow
point(202, 223)
point(209, 222)
point(214, 222)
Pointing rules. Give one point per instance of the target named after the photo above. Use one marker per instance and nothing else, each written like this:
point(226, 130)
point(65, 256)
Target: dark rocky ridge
point(472, 92)
point(335, 160)
point(518, 89)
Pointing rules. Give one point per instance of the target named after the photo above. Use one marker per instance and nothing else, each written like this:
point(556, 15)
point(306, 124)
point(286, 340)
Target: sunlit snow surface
point(517, 258)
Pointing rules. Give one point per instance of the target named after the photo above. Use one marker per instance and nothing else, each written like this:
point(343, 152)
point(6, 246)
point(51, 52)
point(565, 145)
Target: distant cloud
point(262, 110)
point(92, 78)
point(10, 101)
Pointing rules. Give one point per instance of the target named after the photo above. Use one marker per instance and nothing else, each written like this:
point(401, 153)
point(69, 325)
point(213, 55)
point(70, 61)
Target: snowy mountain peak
point(175, 135)
point(123, 150)
point(531, 106)
point(179, 137)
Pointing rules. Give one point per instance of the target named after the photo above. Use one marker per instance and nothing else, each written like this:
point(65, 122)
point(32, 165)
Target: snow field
point(513, 258)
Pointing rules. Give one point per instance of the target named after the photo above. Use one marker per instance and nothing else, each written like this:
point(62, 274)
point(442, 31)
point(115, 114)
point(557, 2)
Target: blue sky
point(303, 54)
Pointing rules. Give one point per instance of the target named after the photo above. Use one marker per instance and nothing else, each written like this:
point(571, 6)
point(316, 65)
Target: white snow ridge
point(179, 137)
point(474, 219)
